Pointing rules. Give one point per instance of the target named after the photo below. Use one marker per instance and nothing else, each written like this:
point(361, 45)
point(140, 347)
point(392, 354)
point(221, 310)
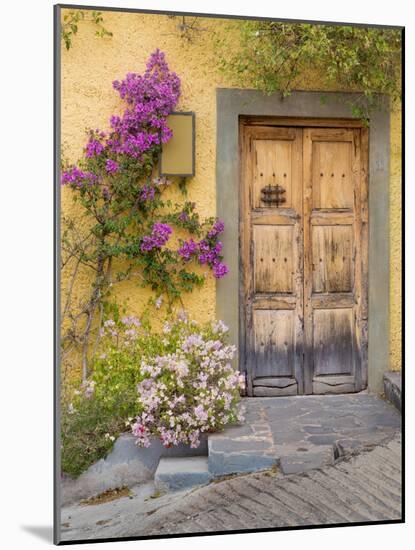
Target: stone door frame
point(233, 103)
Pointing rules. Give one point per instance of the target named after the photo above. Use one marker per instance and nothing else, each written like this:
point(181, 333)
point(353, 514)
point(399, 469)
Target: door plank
point(274, 342)
point(273, 258)
point(308, 261)
point(333, 341)
point(272, 166)
point(332, 175)
point(364, 236)
point(332, 258)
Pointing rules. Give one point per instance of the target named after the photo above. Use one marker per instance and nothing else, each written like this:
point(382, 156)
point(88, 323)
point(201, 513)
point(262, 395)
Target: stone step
point(228, 456)
point(175, 474)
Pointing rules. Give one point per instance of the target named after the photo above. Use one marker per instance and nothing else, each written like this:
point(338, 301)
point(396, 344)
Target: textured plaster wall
point(88, 100)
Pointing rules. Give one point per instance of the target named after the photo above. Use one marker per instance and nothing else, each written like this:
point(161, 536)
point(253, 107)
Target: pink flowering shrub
point(188, 386)
point(174, 385)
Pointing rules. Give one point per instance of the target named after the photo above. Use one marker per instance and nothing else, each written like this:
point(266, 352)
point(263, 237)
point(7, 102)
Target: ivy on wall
point(274, 56)
point(72, 19)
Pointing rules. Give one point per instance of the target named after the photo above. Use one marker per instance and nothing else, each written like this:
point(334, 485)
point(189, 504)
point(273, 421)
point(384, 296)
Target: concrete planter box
point(127, 464)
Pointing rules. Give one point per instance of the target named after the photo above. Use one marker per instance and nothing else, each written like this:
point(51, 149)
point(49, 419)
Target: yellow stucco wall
point(88, 100)
point(395, 241)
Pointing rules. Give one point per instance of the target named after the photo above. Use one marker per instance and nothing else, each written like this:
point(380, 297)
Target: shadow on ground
point(42, 532)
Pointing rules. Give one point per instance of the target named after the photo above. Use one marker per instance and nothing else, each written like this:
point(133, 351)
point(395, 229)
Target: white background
point(26, 306)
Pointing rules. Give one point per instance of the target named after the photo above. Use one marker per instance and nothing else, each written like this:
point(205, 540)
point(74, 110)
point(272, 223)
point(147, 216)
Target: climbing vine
point(127, 223)
point(274, 57)
point(72, 19)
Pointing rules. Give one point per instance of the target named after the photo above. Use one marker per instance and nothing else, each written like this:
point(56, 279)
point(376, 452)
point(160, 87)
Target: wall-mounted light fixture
point(178, 154)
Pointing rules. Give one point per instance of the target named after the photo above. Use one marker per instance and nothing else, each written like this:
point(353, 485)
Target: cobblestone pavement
point(363, 487)
point(301, 432)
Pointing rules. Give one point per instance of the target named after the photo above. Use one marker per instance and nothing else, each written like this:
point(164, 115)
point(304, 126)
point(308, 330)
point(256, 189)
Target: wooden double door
point(304, 233)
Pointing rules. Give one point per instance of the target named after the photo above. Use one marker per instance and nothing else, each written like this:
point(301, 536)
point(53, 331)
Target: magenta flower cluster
point(75, 177)
point(151, 97)
point(159, 236)
point(188, 249)
point(147, 193)
point(207, 251)
point(111, 166)
point(141, 129)
point(93, 148)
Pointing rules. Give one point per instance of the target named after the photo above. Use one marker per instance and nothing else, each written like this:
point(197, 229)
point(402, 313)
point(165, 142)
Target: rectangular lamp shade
point(178, 154)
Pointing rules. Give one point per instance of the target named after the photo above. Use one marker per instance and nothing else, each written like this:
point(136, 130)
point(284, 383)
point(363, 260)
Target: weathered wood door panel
point(272, 242)
point(304, 259)
point(334, 258)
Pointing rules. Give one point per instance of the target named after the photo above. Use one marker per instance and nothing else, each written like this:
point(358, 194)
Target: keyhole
point(273, 259)
point(285, 260)
point(261, 259)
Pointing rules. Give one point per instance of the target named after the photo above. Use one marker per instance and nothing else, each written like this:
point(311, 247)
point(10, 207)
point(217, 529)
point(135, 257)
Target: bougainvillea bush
point(174, 385)
point(129, 212)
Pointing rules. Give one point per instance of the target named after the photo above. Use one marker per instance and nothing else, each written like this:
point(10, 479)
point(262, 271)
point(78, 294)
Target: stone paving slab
point(301, 433)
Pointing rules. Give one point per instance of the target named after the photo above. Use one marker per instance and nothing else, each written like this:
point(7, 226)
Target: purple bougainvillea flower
point(111, 166)
point(93, 148)
point(77, 178)
point(220, 270)
point(184, 217)
point(188, 249)
point(218, 227)
point(151, 98)
point(147, 193)
point(160, 234)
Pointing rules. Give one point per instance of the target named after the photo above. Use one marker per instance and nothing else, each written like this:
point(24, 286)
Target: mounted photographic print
point(228, 274)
